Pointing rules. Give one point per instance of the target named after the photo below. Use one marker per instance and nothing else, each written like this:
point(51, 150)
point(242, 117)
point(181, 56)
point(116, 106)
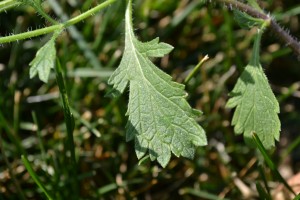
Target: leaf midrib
point(135, 52)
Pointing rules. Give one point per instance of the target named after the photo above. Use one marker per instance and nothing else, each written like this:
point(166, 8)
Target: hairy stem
point(283, 35)
point(46, 16)
point(8, 4)
point(43, 31)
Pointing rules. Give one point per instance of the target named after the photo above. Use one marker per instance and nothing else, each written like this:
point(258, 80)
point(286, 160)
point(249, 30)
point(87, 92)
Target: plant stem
point(77, 35)
point(255, 55)
point(46, 16)
point(88, 13)
point(274, 26)
point(43, 31)
point(30, 34)
point(8, 4)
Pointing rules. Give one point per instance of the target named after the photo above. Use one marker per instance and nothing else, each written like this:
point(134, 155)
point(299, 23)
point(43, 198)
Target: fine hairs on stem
point(282, 34)
point(49, 29)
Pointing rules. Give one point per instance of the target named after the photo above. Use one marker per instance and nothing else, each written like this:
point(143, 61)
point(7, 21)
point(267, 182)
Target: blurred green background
point(107, 165)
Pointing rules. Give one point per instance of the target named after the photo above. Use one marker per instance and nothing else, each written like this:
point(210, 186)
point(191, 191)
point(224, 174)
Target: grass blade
point(69, 120)
point(262, 193)
point(35, 177)
point(39, 134)
point(270, 162)
point(67, 111)
point(264, 178)
point(196, 69)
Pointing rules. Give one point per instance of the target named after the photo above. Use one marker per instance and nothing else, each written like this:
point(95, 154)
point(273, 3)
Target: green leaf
point(44, 60)
point(255, 5)
point(246, 21)
point(160, 119)
point(256, 106)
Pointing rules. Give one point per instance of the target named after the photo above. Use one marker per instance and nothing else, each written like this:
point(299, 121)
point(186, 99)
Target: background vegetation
point(107, 165)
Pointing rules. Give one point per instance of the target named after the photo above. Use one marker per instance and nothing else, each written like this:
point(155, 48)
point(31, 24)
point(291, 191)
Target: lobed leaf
point(246, 21)
point(256, 106)
point(44, 60)
point(160, 119)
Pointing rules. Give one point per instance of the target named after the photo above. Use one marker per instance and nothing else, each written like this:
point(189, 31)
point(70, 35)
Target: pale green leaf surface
point(160, 119)
point(44, 60)
point(256, 106)
point(246, 21)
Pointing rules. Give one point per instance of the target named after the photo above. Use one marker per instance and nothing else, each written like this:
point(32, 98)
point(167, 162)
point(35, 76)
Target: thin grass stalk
point(69, 120)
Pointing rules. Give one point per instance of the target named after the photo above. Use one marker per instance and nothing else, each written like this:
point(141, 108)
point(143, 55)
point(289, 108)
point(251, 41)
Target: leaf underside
point(44, 60)
point(160, 119)
point(256, 106)
point(246, 21)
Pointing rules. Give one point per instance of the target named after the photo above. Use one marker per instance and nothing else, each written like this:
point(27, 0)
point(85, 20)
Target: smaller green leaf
point(44, 60)
point(255, 5)
point(246, 21)
point(256, 106)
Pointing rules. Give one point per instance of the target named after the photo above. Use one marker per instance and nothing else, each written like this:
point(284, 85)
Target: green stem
point(30, 34)
point(282, 34)
point(43, 31)
point(8, 4)
point(255, 55)
point(88, 13)
point(256, 48)
point(78, 36)
point(46, 16)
